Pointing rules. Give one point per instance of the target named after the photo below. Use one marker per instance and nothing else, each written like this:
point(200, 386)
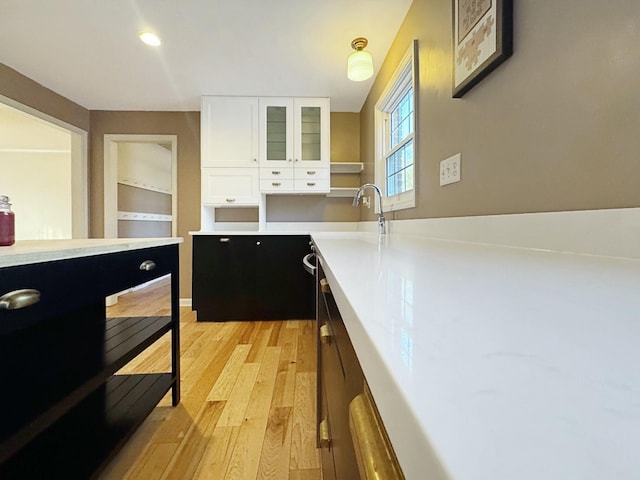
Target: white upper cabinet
point(294, 142)
point(230, 131)
point(294, 132)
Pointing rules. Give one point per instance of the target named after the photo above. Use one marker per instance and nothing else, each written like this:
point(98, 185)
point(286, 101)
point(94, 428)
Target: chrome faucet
point(356, 201)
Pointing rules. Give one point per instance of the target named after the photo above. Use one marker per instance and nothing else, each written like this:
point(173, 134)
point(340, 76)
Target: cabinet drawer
point(277, 185)
point(230, 186)
point(68, 285)
point(302, 173)
point(312, 186)
point(275, 173)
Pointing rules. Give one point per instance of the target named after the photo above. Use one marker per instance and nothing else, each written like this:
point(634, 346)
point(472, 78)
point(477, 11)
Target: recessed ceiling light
point(150, 39)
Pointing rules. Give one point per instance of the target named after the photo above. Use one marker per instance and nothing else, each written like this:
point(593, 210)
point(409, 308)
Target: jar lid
point(4, 199)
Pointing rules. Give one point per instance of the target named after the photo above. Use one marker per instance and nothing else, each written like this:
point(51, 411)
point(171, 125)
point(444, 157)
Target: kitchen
point(551, 130)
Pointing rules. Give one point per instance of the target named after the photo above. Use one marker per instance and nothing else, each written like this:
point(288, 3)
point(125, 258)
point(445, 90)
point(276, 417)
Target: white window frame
point(405, 73)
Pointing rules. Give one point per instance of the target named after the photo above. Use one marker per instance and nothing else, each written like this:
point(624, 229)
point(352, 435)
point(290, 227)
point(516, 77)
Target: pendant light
point(360, 62)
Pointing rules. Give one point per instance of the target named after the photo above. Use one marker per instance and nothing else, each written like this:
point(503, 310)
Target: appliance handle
point(306, 263)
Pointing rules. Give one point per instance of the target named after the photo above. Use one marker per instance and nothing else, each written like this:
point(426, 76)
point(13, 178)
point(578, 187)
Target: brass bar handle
point(311, 184)
point(230, 200)
point(325, 334)
point(374, 453)
point(323, 434)
point(147, 265)
point(19, 299)
point(276, 184)
point(311, 172)
point(324, 286)
point(275, 172)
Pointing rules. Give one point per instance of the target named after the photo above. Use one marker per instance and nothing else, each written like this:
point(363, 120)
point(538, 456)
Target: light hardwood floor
point(248, 400)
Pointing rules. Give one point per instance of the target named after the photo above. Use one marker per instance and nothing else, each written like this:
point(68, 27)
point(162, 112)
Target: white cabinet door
point(230, 186)
point(229, 131)
point(311, 138)
point(276, 132)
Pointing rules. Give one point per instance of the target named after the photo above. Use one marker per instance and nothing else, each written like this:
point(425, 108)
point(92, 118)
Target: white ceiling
point(88, 50)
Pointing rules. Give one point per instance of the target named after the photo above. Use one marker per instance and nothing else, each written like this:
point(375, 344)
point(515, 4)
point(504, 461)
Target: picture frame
point(482, 40)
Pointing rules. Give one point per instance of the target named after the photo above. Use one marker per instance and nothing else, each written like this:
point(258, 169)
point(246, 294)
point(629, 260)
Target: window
point(395, 125)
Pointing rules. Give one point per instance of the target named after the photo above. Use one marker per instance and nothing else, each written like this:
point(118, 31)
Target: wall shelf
point(346, 167)
point(142, 216)
point(338, 192)
point(144, 186)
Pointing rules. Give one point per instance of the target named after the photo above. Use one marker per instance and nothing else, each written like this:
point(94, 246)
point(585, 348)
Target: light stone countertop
point(36, 251)
point(494, 363)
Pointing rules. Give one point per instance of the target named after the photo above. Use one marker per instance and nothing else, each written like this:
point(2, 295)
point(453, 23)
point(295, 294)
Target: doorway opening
point(140, 186)
point(44, 172)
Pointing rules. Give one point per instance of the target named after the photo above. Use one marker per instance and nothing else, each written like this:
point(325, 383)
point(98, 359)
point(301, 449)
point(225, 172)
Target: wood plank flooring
point(248, 400)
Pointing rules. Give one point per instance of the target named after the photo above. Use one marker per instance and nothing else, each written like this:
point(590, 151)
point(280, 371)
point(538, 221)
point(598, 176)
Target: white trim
point(393, 92)
point(111, 177)
point(185, 302)
point(79, 168)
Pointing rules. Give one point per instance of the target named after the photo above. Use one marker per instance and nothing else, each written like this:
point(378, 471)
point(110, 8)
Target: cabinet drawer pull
point(231, 200)
point(324, 286)
point(323, 434)
point(275, 172)
point(325, 334)
point(224, 240)
point(375, 456)
point(311, 172)
point(255, 159)
point(147, 265)
point(276, 184)
point(19, 299)
point(311, 184)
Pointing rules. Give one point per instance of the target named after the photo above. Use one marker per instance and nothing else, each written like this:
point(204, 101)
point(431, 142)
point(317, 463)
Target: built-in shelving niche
point(345, 167)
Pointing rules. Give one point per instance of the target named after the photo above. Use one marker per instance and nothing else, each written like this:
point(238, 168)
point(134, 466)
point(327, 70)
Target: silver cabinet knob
point(147, 265)
point(19, 299)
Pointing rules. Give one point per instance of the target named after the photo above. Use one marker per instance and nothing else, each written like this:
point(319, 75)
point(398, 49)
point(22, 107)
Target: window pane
point(401, 119)
point(400, 170)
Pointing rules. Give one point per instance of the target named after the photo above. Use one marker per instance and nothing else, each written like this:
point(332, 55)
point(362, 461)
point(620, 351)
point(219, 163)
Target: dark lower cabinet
point(351, 436)
point(64, 410)
point(251, 277)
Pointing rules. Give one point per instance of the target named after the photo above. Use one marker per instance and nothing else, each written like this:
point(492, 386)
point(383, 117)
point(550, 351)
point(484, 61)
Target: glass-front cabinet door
point(276, 132)
point(311, 132)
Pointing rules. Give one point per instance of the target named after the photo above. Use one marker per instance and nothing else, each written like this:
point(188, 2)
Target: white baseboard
point(185, 302)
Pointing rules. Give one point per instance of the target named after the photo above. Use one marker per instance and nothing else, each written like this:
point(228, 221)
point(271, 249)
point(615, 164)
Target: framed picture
point(482, 40)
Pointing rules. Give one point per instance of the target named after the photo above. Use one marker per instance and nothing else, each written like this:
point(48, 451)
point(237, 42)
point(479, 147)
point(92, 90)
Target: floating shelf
point(145, 217)
point(342, 192)
point(144, 186)
point(346, 167)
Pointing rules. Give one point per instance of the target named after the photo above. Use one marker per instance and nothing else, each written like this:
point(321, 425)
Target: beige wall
point(186, 125)
point(554, 128)
point(17, 87)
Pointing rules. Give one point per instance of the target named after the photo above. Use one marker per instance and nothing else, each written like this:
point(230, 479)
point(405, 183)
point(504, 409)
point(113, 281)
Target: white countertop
point(495, 363)
point(35, 251)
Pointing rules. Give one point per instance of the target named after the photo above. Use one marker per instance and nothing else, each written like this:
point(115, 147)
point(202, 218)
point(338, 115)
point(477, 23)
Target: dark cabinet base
point(65, 412)
point(82, 442)
point(251, 277)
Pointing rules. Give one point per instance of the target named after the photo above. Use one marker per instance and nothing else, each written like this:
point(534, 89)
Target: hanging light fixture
point(360, 62)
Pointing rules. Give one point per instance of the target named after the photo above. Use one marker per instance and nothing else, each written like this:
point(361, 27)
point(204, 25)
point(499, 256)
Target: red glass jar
point(7, 223)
